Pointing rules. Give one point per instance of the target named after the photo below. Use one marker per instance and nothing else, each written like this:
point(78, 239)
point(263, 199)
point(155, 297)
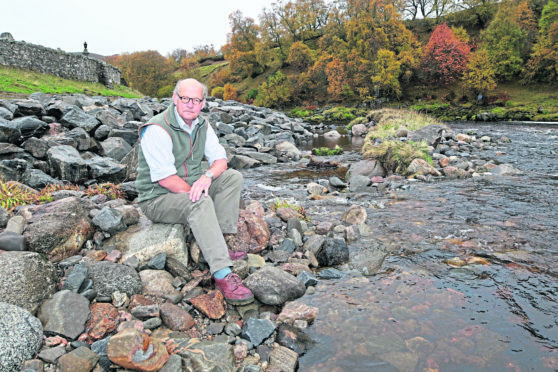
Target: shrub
point(396, 156)
point(218, 92)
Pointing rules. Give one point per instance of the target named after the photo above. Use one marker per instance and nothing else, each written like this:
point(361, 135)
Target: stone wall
point(56, 62)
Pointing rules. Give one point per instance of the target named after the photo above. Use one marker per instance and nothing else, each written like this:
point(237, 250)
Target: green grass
point(18, 81)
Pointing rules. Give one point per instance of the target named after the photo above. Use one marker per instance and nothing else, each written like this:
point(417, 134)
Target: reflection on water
point(470, 283)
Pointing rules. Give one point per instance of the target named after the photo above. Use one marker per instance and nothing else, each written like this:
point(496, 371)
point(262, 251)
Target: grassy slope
point(15, 82)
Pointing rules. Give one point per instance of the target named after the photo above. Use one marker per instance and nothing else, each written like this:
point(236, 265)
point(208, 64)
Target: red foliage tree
point(446, 57)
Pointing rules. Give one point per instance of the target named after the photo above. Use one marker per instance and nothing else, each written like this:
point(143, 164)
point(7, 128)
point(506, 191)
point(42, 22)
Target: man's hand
point(199, 187)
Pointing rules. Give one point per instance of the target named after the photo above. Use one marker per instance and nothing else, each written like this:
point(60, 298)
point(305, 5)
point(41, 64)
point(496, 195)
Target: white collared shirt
point(156, 145)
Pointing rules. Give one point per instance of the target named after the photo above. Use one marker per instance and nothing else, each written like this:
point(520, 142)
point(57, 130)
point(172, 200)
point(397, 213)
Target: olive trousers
point(209, 218)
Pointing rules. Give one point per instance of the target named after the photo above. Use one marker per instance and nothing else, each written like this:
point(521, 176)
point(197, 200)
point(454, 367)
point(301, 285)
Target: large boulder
point(58, 229)
point(273, 286)
point(109, 277)
point(27, 279)
point(21, 337)
point(147, 239)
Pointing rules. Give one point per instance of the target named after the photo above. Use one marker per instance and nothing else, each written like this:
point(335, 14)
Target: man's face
point(189, 111)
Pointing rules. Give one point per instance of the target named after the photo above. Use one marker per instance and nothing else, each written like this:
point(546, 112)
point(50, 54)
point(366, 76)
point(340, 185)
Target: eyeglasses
point(185, 100)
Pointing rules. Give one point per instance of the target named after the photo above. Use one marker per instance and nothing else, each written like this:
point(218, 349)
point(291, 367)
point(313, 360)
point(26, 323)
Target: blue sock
point(221, 274)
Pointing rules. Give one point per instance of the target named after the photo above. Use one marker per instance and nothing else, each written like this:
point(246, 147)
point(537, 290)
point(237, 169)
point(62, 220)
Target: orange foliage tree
point(446, 57)
point(147, 72)
point(229, 92)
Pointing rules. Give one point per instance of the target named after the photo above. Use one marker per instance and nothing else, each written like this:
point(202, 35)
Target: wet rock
point(27, 279)
point(337, 182)
point(333, 252)
point(175, 317)
point(294, 311)
point(21, 336)
point(109, 277)
point(421, 166)
point(64, 314)
point(330, 273)
point(104, 319)
point(359, 130)
point(294, 339)
point(286, 151)
point(211, 304)
point(359, 183)
point(134, 350)
point(80, 359)
point(307, 278)
point(315, 189)
point(355, 215)
point(505, 170)
point(257, 330)
point(365, 168)
point(273, 286)
point(455, 173)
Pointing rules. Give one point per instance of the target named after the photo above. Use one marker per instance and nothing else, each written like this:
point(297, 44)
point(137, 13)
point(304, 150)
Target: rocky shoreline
point(90, 284)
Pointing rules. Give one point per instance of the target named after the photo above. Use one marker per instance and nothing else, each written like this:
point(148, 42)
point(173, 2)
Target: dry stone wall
point(56, 62)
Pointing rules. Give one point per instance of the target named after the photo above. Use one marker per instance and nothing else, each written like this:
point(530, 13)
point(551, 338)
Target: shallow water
point(470, 282)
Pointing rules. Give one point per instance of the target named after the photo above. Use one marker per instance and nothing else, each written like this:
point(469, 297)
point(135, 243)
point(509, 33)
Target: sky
point(124, 26)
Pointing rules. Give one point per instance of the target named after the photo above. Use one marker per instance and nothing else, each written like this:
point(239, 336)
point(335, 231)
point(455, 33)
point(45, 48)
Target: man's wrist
point(209, 175)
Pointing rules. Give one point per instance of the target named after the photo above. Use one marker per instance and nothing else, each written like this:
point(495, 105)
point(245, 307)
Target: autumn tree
point(543, 65)
point(241, 48)
point(445, 57)
point(275, 92)
point(338, 85)
point(229, 92)
point(147, 71)
point(300, 56)
point(387, 70)
point(504, 40)
point(480, 76)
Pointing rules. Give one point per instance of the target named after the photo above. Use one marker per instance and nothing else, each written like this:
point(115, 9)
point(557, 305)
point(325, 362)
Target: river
point(470, 279)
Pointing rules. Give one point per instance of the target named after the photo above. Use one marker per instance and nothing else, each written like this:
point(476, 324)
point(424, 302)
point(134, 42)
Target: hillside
point(16, 83)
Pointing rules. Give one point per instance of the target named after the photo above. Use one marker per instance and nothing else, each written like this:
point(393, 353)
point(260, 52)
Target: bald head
point(190, 84)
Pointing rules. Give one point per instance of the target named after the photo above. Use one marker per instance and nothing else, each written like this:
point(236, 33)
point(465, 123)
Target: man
point(174, 189)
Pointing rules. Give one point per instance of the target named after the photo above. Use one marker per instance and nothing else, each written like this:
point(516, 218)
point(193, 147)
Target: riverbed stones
point(21, 336)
